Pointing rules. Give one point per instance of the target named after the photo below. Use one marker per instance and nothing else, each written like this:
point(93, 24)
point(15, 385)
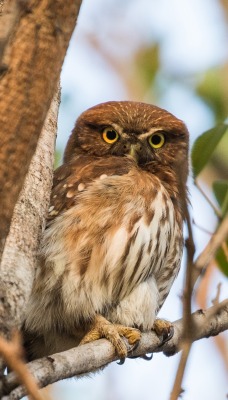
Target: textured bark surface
point(32, 59)
point(90, 357)
point(19, 257)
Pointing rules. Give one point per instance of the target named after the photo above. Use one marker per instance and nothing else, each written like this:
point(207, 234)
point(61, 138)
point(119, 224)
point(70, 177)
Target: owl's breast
point(117, 235)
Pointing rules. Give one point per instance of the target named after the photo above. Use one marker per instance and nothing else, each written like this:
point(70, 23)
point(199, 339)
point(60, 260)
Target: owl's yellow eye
point(157, 140)
point(110, 135)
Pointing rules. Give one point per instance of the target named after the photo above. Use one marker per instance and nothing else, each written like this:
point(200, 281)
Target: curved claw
point(163, 329)
point(121, 361)
point(166, 337)
point(170, 335)
point(120, 336)
point(147, 357)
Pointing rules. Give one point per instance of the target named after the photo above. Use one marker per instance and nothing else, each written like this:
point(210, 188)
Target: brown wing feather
point(71, 178)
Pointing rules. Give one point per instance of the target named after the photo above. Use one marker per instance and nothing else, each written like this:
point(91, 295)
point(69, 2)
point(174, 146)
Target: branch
point(17, 267)
point(210, 250)
point(12, 352)
point(90, 357)
point(33, 57)
point(9, 16)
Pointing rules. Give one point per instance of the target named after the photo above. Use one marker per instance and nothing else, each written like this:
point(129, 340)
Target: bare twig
point(214, 208)
point(12, 352)
point(90, 357)
point(201, 228)
point(215, 301)
point(210, 250)
point(187, 317)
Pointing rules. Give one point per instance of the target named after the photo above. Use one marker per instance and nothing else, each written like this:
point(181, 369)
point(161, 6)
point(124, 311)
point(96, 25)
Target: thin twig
point(12, 352)
point(215, 301)
point(188, 330)
point(214, 208)
point(177, 389)
point(202, 228)
point(210, 250)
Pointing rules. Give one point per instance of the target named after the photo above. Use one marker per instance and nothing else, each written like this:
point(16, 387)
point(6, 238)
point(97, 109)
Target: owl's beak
point(135, 150)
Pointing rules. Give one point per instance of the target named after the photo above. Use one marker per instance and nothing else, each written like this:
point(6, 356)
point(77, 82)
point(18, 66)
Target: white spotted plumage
point(85, 294)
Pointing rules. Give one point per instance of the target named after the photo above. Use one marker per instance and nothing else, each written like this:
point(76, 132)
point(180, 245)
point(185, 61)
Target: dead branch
point(90, 357)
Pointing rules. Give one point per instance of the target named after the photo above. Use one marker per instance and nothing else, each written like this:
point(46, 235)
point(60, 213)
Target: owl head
point(148, 134)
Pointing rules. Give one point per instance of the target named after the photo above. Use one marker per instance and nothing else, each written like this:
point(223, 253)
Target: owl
point(113, 242)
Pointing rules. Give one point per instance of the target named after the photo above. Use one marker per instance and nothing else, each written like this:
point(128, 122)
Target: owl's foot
point(102, 328)
point(164, 329)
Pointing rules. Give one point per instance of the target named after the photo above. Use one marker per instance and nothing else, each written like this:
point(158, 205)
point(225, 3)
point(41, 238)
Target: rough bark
point(32, 57)
point(90, 357)
point(19, 257)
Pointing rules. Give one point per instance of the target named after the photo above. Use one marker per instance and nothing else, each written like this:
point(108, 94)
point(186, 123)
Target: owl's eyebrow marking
point(150, 132)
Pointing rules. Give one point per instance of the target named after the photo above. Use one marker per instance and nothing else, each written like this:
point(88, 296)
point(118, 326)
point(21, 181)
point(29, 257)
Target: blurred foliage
point(212, 89)
point(220, 189)
point(202, 154)
point(204, 147)
point(221, 258)
point(147, 62)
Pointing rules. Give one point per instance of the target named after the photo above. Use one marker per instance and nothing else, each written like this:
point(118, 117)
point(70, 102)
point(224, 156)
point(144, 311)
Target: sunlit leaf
point(220, 189)
point(222, 261)
point(204, 147)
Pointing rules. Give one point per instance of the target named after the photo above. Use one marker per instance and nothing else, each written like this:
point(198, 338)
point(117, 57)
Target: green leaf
point(222, 260)
point(220, 189)
point(204, 147)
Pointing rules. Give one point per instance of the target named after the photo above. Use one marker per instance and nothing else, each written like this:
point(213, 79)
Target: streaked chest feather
point(115, 237)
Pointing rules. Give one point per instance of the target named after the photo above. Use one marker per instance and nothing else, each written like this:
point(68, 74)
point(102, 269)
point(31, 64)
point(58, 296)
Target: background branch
point(90, 357)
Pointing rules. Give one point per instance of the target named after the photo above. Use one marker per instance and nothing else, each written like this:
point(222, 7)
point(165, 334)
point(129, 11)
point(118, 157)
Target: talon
point(115, 333)
point(169, 336)
point(163, 328)
point(147, 358)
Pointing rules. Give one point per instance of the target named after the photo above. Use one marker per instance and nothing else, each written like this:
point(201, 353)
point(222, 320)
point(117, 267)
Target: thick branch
point(9, 16)
point(33, 58)
point(17, 267)
point(90, 357)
